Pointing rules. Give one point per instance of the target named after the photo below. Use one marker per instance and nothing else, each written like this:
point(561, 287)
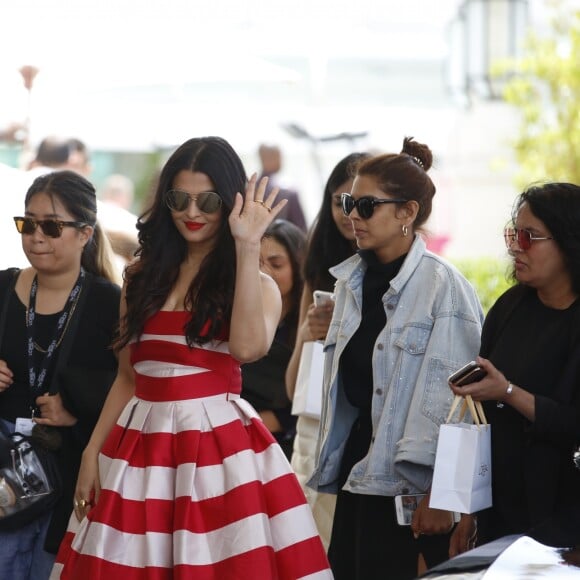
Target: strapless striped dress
point(193, 484)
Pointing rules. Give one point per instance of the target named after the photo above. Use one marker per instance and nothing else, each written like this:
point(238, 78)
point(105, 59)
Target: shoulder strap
point(5, 302)
point(67, 340)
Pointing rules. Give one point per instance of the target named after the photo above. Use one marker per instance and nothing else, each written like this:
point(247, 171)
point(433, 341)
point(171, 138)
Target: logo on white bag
point(483, 469)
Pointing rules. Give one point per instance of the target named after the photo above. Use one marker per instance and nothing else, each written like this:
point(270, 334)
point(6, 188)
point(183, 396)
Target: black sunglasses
point(364, 205)
point(50, 228)
point(206, 201)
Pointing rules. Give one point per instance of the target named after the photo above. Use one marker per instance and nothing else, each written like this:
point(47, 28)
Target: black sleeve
point(85, 380)
point(558, 417)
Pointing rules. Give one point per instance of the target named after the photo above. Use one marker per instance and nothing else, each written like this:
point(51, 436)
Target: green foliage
point(489, 277)
point(545, 88)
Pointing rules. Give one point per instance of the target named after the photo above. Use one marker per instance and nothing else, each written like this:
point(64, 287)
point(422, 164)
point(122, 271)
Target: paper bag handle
point(475, 408)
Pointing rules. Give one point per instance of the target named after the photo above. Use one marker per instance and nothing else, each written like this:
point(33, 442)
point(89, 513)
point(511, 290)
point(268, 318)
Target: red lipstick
point(193, 226)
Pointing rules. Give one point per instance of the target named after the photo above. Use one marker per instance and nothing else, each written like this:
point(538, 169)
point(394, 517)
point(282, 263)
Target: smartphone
point(405, 506)
point(321, 297)
point(469, 373)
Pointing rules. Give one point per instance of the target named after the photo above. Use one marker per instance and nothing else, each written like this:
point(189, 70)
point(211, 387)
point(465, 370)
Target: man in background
point(271, 161)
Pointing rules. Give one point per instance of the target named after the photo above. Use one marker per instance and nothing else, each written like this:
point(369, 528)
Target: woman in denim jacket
point(404, 320)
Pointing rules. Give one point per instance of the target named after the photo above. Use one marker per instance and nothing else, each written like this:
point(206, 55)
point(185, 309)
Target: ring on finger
point(263, 204)
point(80, 503)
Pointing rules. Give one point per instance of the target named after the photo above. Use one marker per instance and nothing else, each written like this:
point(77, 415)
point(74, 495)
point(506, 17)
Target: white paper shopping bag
point(308, 392)
point(462, 472)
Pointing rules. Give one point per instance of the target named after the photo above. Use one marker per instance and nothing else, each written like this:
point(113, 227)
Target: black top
point(356, 362)
point(536, 348)
point(83, 382)
point(264, 386)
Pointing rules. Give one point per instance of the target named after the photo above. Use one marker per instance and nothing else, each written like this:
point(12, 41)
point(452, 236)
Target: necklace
point(37, 347)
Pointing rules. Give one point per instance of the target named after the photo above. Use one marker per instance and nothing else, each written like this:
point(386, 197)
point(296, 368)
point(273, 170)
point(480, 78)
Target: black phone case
point(467, 375)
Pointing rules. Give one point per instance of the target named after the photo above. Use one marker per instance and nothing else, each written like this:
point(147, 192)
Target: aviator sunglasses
point(524, 238)
point(364, 205)
point(206, 201)
point(50, 228)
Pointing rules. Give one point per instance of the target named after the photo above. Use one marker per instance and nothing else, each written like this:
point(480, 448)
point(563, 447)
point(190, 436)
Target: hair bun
point(419, 152)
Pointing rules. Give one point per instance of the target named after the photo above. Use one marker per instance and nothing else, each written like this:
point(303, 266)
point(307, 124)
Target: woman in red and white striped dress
point(180, 478)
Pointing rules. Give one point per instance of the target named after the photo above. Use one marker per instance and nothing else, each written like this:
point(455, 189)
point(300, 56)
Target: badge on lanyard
point(24, 425)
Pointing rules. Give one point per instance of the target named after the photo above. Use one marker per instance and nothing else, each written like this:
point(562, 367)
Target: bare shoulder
point(267, 281)
point(270, 290)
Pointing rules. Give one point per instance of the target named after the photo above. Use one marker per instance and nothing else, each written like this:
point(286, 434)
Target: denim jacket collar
point(345, 270)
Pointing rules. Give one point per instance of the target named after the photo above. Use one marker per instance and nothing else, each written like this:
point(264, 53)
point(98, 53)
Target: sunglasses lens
point(347, 203)
point(365, 208)
point(208, 202)
point(19, 222)
point(25, 225)
point(524, 239)
point(50, 228)
point(177, 200)
point(509, 236)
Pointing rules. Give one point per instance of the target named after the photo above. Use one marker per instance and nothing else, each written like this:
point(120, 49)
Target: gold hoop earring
point(405, 230)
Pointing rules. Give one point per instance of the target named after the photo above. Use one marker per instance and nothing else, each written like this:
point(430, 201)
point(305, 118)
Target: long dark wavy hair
point(327, 247)
point(162, 248)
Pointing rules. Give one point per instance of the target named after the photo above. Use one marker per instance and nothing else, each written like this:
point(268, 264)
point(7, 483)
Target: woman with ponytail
point(56, 361)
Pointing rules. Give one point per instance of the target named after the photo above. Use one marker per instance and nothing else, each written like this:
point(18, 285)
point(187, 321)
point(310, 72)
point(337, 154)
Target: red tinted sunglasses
point(524, 238)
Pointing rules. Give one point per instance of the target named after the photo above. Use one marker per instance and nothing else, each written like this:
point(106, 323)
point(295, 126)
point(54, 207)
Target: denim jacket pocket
point(414, 339)
point(437, 396)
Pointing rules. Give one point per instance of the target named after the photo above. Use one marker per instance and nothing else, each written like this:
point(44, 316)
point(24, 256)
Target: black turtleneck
point(356, 362)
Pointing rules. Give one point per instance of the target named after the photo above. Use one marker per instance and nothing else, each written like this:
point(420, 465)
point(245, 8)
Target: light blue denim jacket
point(433, 327)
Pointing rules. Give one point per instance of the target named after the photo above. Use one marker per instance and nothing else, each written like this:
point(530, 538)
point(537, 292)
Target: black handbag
point(30, 478)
